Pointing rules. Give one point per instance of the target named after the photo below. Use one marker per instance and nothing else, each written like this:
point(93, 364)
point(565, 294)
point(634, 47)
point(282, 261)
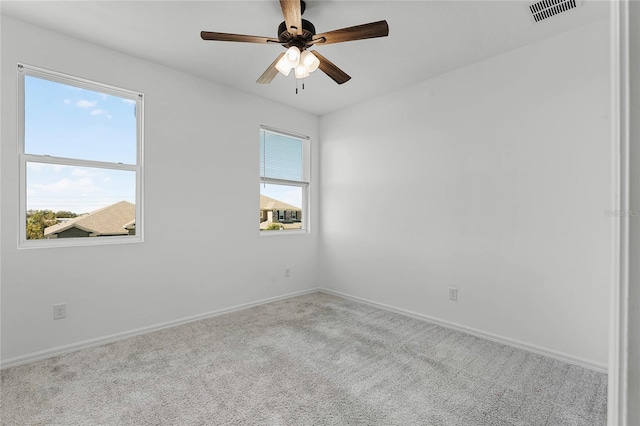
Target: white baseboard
point(61, 350)
point(561, 356)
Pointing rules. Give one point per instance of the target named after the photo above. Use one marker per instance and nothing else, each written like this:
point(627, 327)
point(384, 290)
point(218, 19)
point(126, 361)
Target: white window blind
point(281, 157)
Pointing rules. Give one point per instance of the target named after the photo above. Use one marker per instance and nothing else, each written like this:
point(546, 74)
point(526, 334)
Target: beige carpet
point(310, 360)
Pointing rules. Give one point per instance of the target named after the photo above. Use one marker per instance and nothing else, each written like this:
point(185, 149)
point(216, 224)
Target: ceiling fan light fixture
point(310, 61)
point(293, 55)
point(284, 66)
point(290, 60)
point(302, 71)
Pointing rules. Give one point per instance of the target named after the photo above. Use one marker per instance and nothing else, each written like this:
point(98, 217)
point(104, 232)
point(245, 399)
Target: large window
point(80, 154)
point(284, 182)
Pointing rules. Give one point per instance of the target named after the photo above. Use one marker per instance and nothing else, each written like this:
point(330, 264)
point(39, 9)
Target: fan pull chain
point(297, 84)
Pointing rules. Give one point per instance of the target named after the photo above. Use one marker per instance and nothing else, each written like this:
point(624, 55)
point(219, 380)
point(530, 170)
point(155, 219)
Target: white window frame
point(24, 158)
point(305, 216)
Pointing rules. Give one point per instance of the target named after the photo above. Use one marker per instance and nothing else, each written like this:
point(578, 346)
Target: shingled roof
point(268, 203)
point(111, 220)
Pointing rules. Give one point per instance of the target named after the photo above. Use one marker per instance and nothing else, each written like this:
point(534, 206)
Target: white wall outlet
point(59, 311)
point(287, 273)
point(453, 293)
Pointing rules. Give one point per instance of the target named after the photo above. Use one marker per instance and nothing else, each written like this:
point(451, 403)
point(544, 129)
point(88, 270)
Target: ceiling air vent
point(545, 9)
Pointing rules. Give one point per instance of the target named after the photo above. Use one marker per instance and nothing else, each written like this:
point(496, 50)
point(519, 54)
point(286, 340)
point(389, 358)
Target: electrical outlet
point(453, 293)
point(287, 273)
point(59, 311)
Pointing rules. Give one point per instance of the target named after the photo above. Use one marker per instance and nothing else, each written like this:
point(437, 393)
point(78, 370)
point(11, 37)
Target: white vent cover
point(545, 9)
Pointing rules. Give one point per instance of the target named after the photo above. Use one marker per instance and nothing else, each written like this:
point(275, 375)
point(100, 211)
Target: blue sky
point(70, 122)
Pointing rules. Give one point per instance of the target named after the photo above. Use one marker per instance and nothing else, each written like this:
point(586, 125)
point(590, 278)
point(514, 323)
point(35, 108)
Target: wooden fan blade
point(331, 70)
point(291, 9)
point(270, 73)
point(207, 35)
point(359, 32)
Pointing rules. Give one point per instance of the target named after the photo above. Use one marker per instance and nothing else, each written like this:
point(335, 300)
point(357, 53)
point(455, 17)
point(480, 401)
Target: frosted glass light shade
point(293, 55)
point(284, 66)
point(291, 59)
point(301, 71)
point(310, 61)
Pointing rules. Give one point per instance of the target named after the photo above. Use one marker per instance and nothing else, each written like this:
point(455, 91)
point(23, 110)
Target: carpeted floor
point(314, 359)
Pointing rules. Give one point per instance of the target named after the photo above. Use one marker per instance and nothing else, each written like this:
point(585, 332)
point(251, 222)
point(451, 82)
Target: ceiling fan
point(297, 35)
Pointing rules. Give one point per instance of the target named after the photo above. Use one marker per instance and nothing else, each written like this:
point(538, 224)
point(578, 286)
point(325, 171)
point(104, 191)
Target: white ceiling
point(426, 38)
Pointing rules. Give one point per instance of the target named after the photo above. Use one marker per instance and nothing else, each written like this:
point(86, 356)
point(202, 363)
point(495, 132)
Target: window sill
point(290, 232)
point(77, 242)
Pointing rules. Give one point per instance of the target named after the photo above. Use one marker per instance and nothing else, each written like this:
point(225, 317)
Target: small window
point(80, 155)
point(284, 181)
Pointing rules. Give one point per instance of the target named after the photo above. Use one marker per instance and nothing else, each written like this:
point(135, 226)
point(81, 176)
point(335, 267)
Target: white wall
point(493, 179)
point(634, 221)
point(202, 251)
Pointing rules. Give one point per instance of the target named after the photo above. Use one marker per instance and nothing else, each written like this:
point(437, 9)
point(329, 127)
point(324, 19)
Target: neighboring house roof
point(268, 203)
point(111, 220)
point(130, 225)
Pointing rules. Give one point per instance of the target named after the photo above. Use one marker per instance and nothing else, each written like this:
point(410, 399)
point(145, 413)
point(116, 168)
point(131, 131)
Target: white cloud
point(35, 167)
point(42, 167)
point(67, 101)
point(84, 173)
point(83, 103)
point(64, 194)
point(100, 112)
point(79, 172)
point(76, 187)
point(129, 101)
point(87, 173)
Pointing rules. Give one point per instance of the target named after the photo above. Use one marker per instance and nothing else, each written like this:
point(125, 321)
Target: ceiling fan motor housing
point(287, 39)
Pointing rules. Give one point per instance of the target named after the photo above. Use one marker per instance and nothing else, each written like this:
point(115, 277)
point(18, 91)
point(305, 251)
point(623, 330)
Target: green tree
point(37, 220)
point(65, 214)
